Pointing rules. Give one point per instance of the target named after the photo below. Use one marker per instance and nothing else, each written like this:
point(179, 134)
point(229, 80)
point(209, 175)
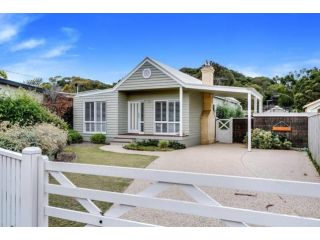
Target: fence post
point(29, 186)
point(43, 179)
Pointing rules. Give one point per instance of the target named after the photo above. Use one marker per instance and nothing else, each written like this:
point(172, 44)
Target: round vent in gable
point(146, 73)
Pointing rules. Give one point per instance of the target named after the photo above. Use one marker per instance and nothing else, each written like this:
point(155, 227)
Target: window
point(167, 117)
point(95, 117)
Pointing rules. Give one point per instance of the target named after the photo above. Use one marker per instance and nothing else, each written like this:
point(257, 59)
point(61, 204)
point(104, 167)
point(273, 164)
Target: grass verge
point(91, 154)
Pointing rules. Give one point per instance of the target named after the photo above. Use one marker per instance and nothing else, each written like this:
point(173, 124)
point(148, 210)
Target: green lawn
point(88, 153)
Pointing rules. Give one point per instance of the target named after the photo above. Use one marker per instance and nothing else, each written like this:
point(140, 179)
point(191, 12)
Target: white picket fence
point(25, 188)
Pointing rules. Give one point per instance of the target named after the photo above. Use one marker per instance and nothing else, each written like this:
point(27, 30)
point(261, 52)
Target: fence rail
point(24, 194)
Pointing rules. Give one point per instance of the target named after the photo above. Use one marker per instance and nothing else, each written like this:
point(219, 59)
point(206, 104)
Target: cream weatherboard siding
point(111, 99)
point(157, 80)
point(195, 111)
point(123, 113)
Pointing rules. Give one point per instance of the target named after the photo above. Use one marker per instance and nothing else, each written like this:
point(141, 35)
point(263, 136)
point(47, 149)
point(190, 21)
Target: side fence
point(314, 137)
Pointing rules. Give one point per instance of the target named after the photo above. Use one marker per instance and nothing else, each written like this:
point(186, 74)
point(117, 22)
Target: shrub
point(163, 144)
point(21, 108)
point(51, 139)
point(98, 138)
point(149, 142)
point(74, 137)
point(266, 140)
point(48, 137)
point(287, 144)
point(225, 112)
point(176, 145)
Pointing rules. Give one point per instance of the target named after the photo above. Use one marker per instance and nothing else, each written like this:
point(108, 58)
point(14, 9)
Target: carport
point(250, 94)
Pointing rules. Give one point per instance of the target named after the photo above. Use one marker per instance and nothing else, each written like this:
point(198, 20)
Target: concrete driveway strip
point(228, 159)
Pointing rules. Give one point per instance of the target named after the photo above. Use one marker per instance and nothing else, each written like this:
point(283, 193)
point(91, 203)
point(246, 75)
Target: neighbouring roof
point(22, 85)
point(188, 82)
point(312, 103)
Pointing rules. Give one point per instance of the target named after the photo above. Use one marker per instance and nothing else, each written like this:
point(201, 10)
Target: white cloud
point(61, 49)
point(11, 25)
point(7, 33)
point(28, 44)
point(57, 51)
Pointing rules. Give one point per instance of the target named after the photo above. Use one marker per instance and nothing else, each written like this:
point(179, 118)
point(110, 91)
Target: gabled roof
point(312, 103)
point(22, 85)
point(185, 81)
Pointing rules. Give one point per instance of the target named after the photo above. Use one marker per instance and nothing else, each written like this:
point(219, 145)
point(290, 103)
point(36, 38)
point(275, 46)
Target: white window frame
point(167, 117)
point(94, 117)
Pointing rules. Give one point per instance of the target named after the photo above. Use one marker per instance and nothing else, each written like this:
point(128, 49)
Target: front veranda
point(175, 114)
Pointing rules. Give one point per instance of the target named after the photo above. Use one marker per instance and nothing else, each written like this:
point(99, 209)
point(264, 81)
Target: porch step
point(121, 141)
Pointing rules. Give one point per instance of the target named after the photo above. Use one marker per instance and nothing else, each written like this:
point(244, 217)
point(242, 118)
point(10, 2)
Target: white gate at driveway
point(224, 130)
point(24, 194)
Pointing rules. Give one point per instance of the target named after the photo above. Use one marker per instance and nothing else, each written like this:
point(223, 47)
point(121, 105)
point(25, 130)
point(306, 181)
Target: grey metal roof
point(22, 85)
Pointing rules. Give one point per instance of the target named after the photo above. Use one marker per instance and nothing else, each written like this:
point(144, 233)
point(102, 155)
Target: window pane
point(171, 111)
point(98, 111)
point(158, 111)
point(91, 127)
point(89, 111)
point(164, 127)
point(177, 127)
point(98, 127)
point(142, 112)
point(103, 111)
point(142, 127)
point(177, 111)
point(164, 111)
point(158, 127)
point(171, 128)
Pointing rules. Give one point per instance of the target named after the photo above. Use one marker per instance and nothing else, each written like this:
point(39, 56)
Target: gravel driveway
point(228, 159)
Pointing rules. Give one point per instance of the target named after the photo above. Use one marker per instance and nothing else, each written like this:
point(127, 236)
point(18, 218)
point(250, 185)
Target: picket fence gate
point(24, 190)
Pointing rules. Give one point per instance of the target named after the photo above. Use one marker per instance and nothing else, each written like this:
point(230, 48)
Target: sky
point(106, 47)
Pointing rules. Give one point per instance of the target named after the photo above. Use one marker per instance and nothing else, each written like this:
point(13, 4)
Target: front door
point(135, 117)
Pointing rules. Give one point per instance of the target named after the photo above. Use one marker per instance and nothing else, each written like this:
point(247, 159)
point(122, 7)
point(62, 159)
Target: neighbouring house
point(313, 107)
point(9, 85)
point(229, 101)
point(277, 109)
point(156, 101)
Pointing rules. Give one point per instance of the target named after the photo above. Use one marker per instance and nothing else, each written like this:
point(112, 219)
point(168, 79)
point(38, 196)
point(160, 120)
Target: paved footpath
point(228, 159)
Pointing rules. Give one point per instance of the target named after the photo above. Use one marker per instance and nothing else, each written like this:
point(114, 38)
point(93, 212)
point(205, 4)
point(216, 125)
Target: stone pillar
point(207, 120)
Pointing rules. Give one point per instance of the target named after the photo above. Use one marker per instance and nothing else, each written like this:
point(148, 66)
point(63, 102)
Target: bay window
point(167, 117)
point(95, 117)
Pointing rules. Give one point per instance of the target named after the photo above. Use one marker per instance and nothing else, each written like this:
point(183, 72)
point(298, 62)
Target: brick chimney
point(207, 122)
point(207, 74)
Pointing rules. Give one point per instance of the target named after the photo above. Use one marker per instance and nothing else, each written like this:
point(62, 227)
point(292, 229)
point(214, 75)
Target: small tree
point(3, 74)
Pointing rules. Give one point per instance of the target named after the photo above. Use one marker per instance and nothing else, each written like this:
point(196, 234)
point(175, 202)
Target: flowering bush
point(48, 137)
point(266, 140)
